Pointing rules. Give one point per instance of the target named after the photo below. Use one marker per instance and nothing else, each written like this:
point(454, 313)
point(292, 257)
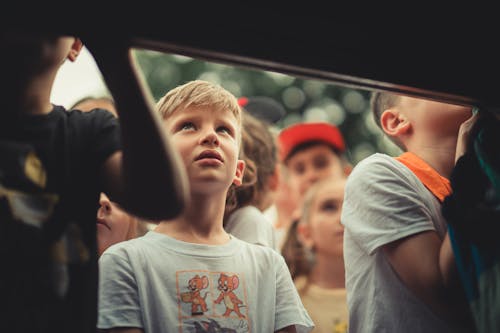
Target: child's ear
point(75, 50)
point(304, 235)
point(394, 123)
point(240, 170)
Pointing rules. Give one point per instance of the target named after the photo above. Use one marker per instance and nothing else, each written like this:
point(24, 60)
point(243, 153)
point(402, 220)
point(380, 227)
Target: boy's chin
point(208, 185)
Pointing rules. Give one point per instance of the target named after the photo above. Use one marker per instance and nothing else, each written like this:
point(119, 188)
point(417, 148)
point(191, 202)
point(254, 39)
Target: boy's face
point(434, 118)
point(307, 166)
point(113, 223)
point(208, 142)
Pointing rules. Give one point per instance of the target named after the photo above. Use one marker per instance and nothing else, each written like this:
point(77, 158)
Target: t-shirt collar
point(432, 180)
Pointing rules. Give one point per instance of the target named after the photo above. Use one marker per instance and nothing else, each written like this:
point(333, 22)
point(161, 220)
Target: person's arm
point(425, 264)
point(289, 310)
point(416, 260)
point(147, 177)
point(288, 329)
point(119, 305)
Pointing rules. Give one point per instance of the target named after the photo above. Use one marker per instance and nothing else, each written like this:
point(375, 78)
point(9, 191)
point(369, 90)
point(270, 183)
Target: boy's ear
point(240, 170)
point(394, 123)
point(304, 235)
point(75, 50)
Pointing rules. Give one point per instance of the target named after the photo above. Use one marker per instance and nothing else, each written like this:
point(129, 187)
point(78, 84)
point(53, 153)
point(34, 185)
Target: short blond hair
point(198, 93)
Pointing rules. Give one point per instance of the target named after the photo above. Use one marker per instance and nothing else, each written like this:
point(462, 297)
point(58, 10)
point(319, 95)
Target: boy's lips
point(103, 222)
point(209, 154)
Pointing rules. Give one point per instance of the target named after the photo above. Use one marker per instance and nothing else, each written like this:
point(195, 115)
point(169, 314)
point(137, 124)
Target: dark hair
point(379, 102)
point(259, 145)
point(295, 253)
point(309, 144)
point(260, 155)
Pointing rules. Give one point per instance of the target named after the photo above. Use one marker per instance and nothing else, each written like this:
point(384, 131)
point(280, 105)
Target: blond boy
point(189, 274)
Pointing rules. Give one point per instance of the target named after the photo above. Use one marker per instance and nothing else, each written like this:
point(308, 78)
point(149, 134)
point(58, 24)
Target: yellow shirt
point(326, 307)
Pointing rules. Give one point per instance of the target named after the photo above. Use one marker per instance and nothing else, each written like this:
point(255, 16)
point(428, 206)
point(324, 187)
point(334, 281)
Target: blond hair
point(299, 259)
point(198, 93)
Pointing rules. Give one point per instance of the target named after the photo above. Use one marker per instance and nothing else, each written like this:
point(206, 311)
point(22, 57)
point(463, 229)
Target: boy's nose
point(311, 176)
point(210, 138)
point(105, 208)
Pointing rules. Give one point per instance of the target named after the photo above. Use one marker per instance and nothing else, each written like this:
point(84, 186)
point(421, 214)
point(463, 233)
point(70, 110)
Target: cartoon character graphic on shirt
point(193, 296)
point(26, 206)
point(211, 326)
point(23, 187)
point(227, 285)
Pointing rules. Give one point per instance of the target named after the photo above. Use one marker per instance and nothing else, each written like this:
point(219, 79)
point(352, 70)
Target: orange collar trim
point(432, 180)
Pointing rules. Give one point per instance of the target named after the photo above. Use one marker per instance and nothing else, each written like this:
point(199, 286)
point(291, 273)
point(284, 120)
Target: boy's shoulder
point(380, 168)
point(373, 163)
point(258, 250)
point(124, 247)
point(76, 114)
point(74, 118)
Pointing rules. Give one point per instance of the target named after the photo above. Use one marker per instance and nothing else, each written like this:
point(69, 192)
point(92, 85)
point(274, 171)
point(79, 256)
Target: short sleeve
point(98, 130)
point(119, 304)
point(289, 308)
point(105, 134)
point(383, 202)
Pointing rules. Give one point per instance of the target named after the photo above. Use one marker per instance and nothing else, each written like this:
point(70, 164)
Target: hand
point(463, 135)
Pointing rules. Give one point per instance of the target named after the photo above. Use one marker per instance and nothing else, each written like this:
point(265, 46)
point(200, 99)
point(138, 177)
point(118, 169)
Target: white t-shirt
point(279, 233)
point(251, 225)
point(384, 201)
point(161, 284)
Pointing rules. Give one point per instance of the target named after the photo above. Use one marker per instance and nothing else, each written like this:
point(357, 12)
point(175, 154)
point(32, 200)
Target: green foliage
point(303, 99)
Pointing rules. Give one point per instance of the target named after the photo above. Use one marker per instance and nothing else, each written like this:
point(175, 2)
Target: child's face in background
point(113, 224)
point(325, 230)
point(208, 142)
point(312, 164)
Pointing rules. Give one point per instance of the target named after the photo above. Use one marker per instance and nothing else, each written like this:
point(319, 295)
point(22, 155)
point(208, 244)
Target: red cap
point(297, 134)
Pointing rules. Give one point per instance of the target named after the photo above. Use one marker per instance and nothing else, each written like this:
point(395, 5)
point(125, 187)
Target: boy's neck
point(182, 230)
point(441, 156)
point(441, 160)
point(201, 223)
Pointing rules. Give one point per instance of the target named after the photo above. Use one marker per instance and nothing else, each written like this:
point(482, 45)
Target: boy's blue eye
point(187, 126)
point(223, 129)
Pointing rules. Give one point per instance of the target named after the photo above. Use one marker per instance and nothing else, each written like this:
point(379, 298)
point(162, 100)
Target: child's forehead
point(212, 111)
point(311, 150)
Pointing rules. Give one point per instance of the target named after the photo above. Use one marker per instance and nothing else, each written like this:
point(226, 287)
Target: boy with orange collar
point(399, 265)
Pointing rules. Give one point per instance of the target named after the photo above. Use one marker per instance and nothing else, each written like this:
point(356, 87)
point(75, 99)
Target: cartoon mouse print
point(211, 326)
point(193, 296)
point(226, 286)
